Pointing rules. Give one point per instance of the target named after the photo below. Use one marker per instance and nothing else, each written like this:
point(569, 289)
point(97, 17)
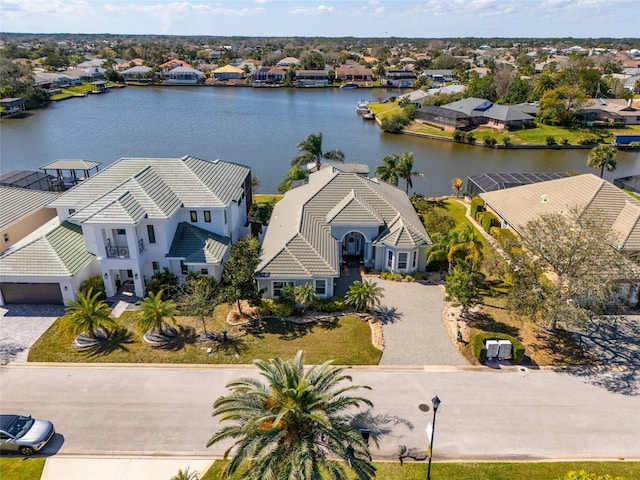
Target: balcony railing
point(118, 252)
point(140, 246)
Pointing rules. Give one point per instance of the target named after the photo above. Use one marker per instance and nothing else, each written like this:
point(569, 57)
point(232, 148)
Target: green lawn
point(539, 134)
point(71, 91)
point(482, 471)
point(264, 198)
point(21, 468)
point(344, 339)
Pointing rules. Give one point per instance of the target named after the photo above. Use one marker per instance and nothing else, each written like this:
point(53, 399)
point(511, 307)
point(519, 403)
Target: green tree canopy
point(237, 276)
point(293, 424)
point(88, 315)
point(312, 148)
point(601, 157)
point(153, 311)
point(364, 296)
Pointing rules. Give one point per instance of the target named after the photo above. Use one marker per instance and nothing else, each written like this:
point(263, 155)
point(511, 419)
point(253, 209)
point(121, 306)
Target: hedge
point(477, 205)
point(480, 350)
point(488, 220)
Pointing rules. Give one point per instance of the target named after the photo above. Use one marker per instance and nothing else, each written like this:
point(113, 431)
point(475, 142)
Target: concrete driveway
point(21, 326)
point(413, 326)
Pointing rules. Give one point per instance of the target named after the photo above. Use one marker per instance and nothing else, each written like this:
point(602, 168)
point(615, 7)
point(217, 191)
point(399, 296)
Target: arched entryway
point(353, 248)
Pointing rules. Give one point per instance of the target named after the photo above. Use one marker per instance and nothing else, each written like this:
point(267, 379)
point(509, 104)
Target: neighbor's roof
point(228, 69)
point(197, 245)
point(70, 164)
point(298, 242)
point(60, 253)
point(133, 188)
point(17, 203)
point(597, 197)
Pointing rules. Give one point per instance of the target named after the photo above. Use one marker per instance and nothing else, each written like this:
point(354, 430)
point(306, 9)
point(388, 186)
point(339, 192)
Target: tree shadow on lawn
point(179, 339)
point(485, 322)
point(613, 342)
point(232, 347)
point(116, 340)
point(289, 330)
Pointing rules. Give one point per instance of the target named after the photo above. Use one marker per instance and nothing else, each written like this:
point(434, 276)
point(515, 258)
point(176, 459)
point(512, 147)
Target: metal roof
point(197, 245)
point(17, 203)
point(70, 164)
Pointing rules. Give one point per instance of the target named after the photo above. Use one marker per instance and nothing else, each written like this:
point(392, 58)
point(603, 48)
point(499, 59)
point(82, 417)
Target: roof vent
point(543, 198)
point(216, 160)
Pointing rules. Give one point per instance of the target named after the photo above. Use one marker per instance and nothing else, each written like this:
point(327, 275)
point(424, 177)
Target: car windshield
point(20, 426)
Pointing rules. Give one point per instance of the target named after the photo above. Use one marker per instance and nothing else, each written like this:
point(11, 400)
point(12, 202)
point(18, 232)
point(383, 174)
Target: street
point(506, 414)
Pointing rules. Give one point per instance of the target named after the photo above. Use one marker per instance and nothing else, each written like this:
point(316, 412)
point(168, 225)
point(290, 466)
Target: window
point(278, 286)
point(72, 211)
point(415, 259)
point(120, 231)
point(321, 287)
point(194, 216)
point(225, 217)
point(129, 273)
point(402, 260)
point(204, 271)
point(152, 234)
point(155, 266)
point(207, 216)
point(389, 259)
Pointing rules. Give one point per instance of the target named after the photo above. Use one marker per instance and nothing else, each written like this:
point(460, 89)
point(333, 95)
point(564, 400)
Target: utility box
point(504, 349)
point(493, 348)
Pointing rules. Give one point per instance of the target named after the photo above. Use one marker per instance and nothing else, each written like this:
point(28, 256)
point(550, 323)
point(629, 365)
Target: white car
point(25, 435)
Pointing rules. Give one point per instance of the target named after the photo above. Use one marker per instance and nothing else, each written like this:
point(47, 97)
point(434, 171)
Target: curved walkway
point(413, 327)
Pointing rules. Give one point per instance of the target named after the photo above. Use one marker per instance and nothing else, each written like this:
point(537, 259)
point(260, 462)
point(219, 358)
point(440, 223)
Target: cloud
point(319, 10)
point(43, 7)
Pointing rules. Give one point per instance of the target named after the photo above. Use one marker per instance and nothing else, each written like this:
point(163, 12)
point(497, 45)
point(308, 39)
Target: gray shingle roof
point(60, 253)
point(16, 203)
point(299, 243)
point(70, 164)
point(158, 185)
point(197, 245)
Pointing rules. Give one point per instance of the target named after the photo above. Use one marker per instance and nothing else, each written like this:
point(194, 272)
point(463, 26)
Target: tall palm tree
point(405, 170)
point(603, 156)
point(89, 314)
point(312, 148)
point(388, 171)
point(459, 243)
point(153, 311)
point(293, 425)
point(456, 186)
point(305, 295)
point(364, 296)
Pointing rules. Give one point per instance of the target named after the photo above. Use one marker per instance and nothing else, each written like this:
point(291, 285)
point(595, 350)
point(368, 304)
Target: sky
point(328, 18)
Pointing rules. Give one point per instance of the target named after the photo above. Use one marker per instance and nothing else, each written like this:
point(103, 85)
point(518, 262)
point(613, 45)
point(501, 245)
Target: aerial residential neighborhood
point(246, 255)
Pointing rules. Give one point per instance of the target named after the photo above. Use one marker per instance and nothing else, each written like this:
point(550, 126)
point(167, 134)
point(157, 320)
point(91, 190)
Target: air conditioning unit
point(504, 349)
point(492, 348)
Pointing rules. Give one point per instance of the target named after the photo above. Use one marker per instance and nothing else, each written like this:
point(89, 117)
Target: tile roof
point(598, 198)
point(17, 203)
point(60, 253)
point(197, 245)
point(299, 243)
point(158, 185)
point(70, 164)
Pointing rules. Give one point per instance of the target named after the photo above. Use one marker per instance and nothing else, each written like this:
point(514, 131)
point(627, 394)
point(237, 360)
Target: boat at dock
point(362, 107)
point(348, 86)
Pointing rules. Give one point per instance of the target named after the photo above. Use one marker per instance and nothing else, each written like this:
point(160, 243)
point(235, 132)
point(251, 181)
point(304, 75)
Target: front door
point(353, 240)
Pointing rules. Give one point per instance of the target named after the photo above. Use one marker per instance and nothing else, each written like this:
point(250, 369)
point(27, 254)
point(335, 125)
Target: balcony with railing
point(122, 252)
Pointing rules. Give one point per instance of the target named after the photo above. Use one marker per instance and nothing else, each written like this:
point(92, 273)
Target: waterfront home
point(439, 76)
point(610, 111)
point(288, 62)
point(269, 75)
point(139, 73)
point(312, 78)
point(337, 220)
point(353, 73)
point(398, 78)
point(228, 72)
point(141, 215)
point(183, 76)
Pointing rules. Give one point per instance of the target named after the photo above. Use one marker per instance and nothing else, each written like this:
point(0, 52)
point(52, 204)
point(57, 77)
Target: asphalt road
point(485, 414)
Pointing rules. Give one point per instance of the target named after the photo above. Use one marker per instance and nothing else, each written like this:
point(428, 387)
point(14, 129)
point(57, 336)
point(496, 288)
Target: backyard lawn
point(344, 339)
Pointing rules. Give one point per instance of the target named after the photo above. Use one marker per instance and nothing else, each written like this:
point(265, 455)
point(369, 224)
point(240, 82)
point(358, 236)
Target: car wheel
point(26, 451)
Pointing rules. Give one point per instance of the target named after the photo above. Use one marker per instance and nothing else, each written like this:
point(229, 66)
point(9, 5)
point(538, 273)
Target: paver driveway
point(414, 331)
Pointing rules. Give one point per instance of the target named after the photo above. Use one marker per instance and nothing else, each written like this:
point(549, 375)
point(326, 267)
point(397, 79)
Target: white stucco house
point(339, 218)
point(141, 215)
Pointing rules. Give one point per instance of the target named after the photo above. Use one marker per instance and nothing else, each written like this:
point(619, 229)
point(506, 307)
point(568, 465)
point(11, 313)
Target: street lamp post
point(435, 401)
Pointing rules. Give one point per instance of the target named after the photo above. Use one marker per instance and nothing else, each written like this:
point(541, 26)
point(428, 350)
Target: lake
point(257, 127)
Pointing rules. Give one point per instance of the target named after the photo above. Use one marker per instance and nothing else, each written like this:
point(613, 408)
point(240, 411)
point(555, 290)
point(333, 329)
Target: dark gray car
point(25, 435)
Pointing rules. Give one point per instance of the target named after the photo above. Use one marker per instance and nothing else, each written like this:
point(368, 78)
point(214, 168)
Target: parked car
point(25, 435)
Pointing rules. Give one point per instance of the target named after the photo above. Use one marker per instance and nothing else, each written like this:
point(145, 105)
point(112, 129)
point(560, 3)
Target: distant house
point(313, 78)
point(335, 220)
point(439, 76)
point(174, 63)
point(269, 75)
point(228, 72)
point(137, 73)
point(398, 78)
point(609, 111)
point(355, 73)
point(12, 106)
point(184, 76)
point(59, 80)
point(416, 97)
point(141, 215)
point(472, 112)
point(288, 61)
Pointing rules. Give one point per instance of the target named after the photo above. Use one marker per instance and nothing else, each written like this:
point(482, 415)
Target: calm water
point(255, 127)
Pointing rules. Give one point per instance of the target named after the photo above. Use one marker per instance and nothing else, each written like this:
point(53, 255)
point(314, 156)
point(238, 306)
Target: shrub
point(488, 220)
point(495, 232)
point(277, 308)
point(477, 205)
point(506, 141)
point(458, 136)
point(330, 305)
point(394, 277)
point(506, 238)
point(394, 123)
point(489, 141)
point(550, 140)
point(588, 140)
point(564, 141)
point(480, 350)
point(96, 284)
point(165, 281)
point(469, 137)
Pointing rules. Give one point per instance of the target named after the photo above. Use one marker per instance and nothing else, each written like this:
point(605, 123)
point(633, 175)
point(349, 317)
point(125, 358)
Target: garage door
point(42, 293)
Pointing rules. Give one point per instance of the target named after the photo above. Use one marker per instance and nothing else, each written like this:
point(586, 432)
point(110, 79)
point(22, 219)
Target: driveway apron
point(413, 326)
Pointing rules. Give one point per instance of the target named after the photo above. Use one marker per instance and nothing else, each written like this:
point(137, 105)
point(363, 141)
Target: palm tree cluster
point(293, 425)
point(395, 167)
point(312, 148)
point(460, 243)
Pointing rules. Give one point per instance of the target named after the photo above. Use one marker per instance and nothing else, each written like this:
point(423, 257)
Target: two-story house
point(141, 215)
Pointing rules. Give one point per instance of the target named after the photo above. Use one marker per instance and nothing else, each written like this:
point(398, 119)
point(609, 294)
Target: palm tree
point(294, 426)
point(312, 148)
point(364, 296)
point(544, 82)
point(89, 314)
point(456, 186)
point(460, 243)
point(153, 311)
point(603, 156)
point(388, 171)
point(405, 170)
point(305, 295)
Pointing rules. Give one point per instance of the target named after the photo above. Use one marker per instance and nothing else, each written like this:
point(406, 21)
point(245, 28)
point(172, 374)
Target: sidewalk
point(149, 468)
